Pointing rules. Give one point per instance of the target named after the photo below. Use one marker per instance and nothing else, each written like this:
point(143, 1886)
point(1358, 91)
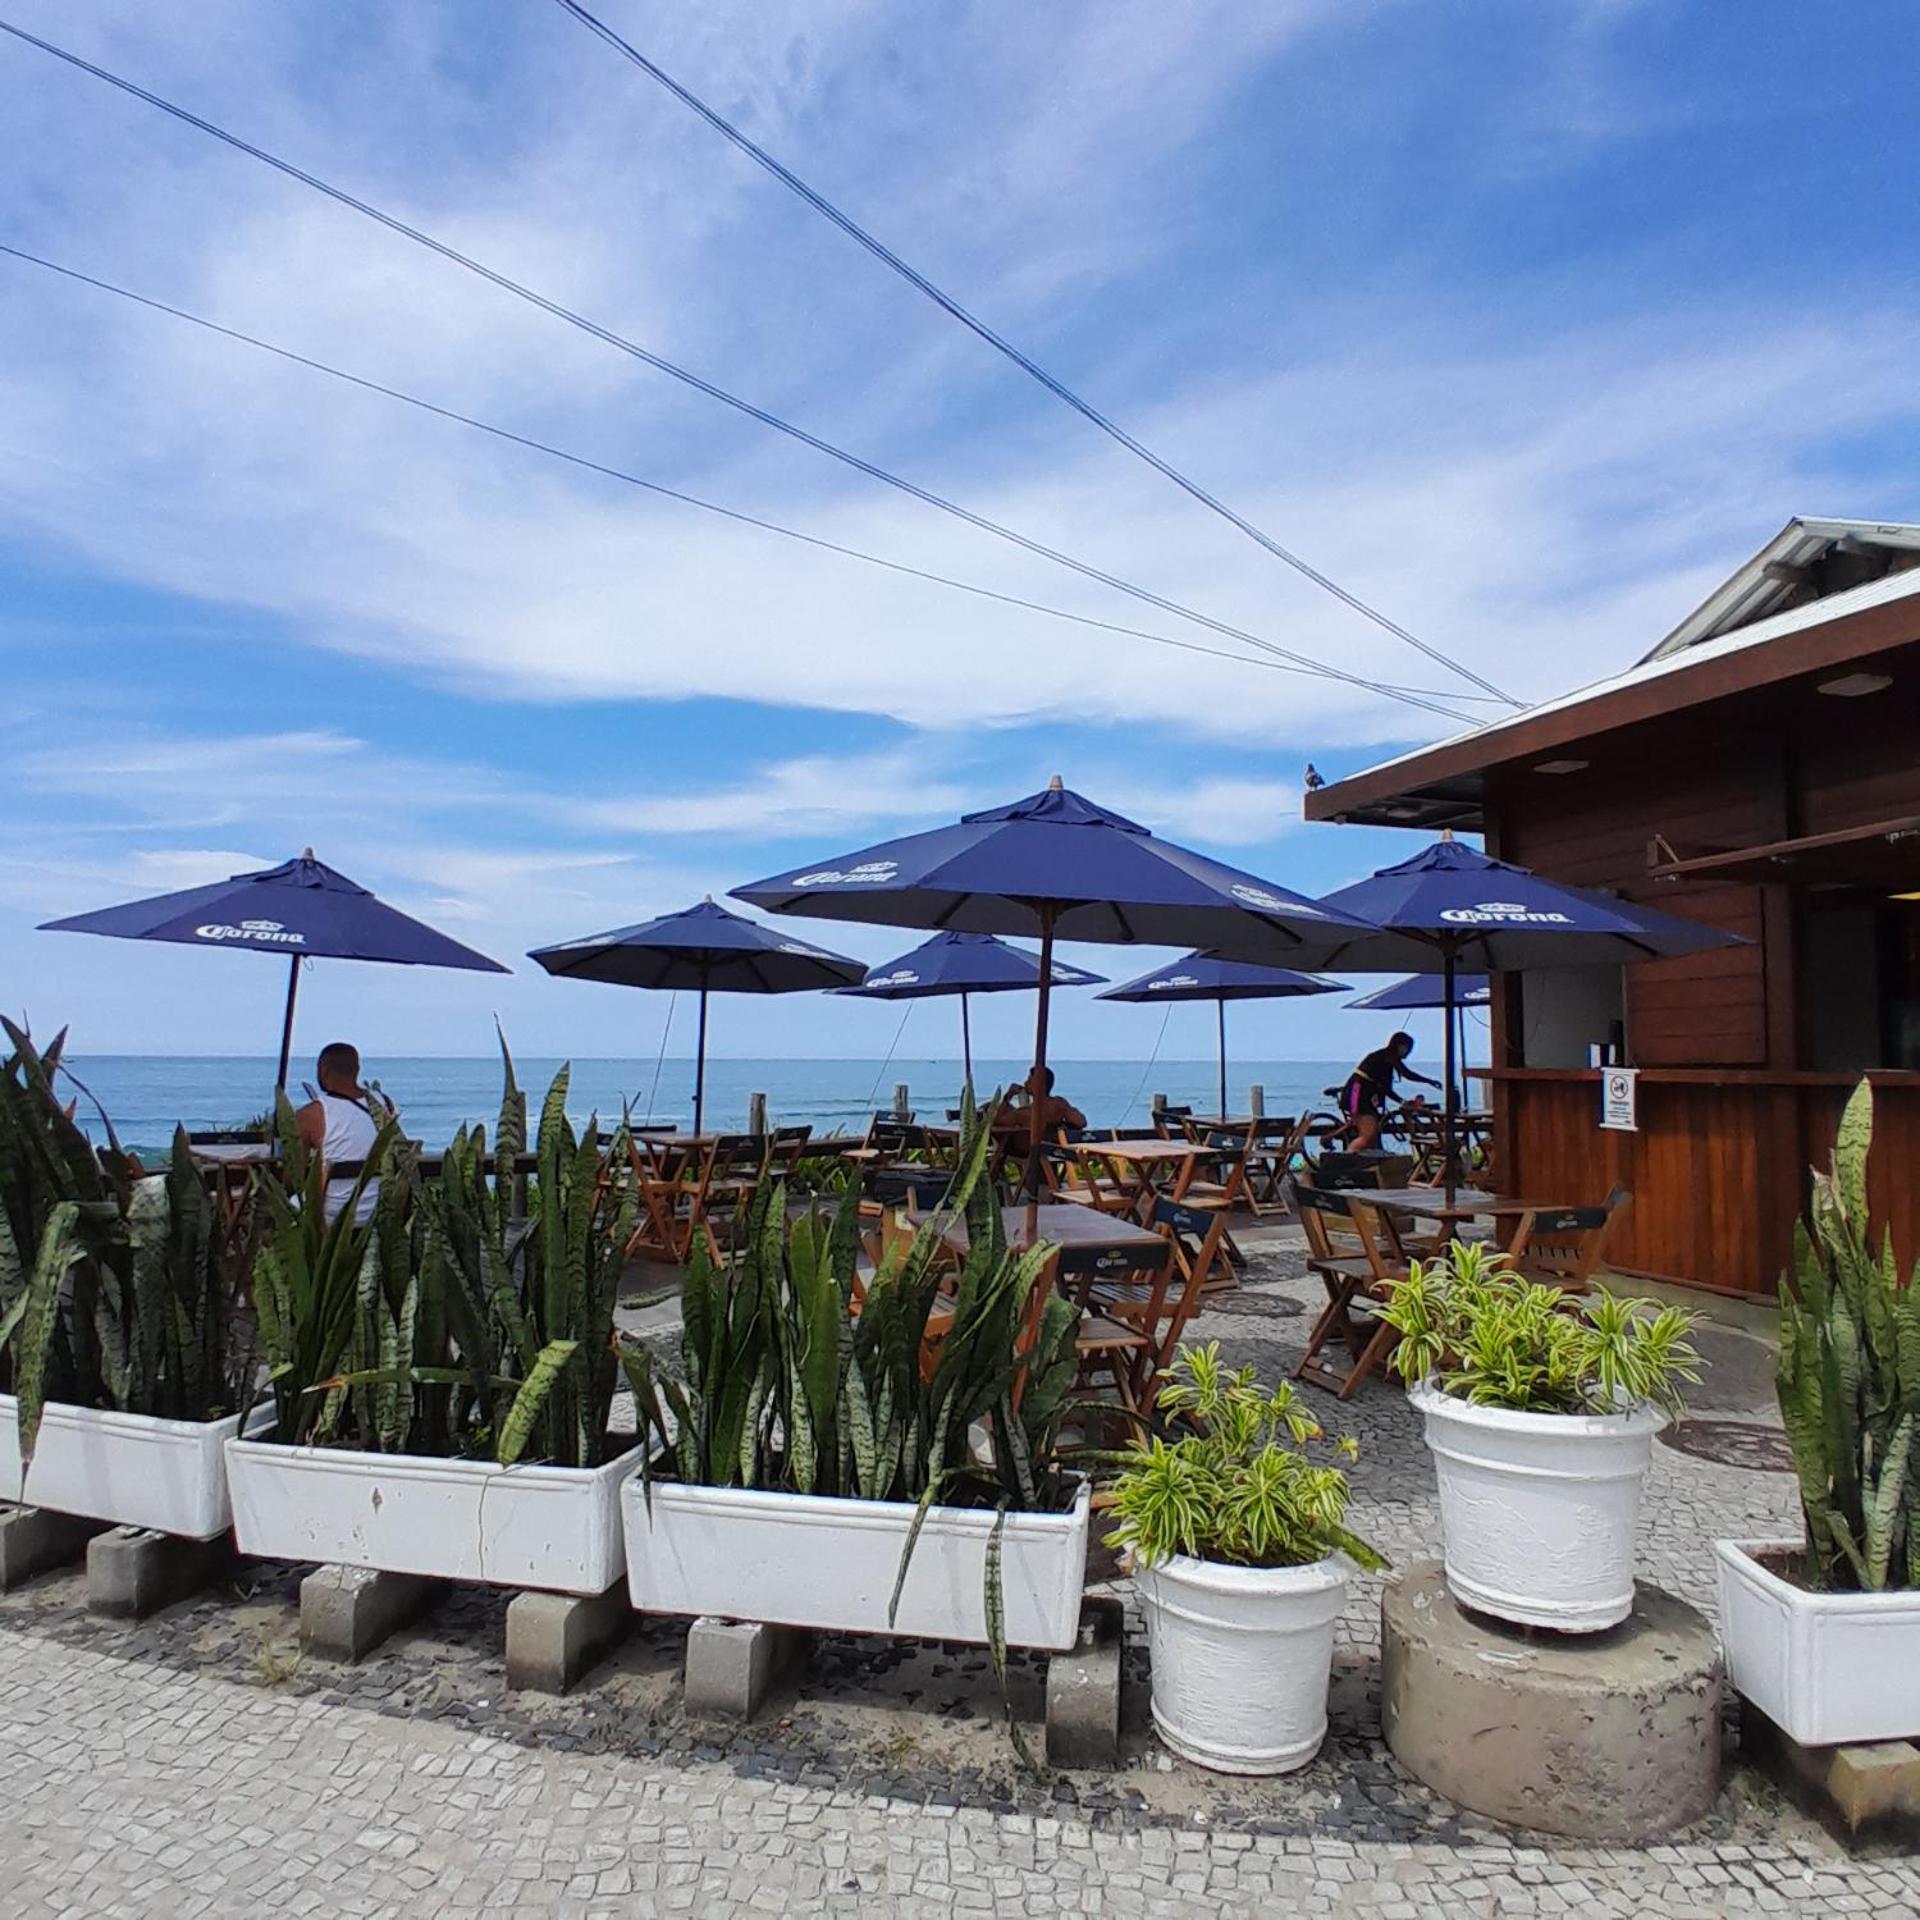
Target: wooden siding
point(1718, 1170)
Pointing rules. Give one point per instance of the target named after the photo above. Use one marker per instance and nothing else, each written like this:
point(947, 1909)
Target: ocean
point(147, 1094)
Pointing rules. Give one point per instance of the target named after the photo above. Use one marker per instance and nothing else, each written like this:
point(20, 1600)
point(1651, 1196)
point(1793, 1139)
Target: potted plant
point(121, 1384)
point(1821, 1633)
point(442, 1373)
point(1241, 1554)
point(1540, 1414)
point(826, 1464)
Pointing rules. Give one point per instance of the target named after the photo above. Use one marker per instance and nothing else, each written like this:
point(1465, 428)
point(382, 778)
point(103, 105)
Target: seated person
point(342, 1123)
point(1363, 1100)
point(1015, 1122)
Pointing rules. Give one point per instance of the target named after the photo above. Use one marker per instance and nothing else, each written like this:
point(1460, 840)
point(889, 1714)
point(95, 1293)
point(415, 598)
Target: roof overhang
point(1445, 785)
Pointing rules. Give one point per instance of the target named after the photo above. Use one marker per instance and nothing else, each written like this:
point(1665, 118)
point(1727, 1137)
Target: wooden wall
point(1718, 1169)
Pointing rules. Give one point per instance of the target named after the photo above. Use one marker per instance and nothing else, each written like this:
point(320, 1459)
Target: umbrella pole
point(966, 1041)
point(700, 1069)
point(286, 1025)
point(1451, 1168)
point(1036, 1091)
point(1222, 1006)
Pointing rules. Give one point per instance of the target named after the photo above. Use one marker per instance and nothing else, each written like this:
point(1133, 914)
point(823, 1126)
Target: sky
point(1525, 320)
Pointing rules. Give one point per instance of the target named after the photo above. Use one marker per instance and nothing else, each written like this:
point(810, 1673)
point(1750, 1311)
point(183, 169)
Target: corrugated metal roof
point(1765, 584)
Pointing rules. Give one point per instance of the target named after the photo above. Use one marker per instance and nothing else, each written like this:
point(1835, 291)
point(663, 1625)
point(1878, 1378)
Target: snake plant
point(115, 1292)
point(444, 1324)
point(1849, 1378)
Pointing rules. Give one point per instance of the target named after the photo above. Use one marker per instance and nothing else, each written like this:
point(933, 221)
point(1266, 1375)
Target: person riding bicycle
point(1368, 1088)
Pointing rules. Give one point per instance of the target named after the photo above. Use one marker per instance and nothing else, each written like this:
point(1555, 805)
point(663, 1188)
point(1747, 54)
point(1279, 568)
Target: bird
point(1314, 781)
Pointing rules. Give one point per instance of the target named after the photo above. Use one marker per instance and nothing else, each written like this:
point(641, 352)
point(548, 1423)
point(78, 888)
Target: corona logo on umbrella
point(271, 930)
point(1503, 913)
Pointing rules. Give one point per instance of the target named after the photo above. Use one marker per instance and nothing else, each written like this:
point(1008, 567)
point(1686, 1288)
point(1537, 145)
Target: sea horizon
point(146, 1095)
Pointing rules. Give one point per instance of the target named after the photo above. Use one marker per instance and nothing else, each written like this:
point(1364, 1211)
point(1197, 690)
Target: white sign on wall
point(1620, 1099)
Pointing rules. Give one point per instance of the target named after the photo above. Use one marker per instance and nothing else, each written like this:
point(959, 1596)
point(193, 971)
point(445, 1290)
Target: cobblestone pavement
point(130, 1791)
point(194, 1763)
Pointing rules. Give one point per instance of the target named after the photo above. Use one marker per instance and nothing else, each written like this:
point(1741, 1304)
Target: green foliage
point(445, 1324)
point(114, 1288)
point(1849, 1379)
point(788, 1387)
point(1237, 1487)
point(1490, 1337)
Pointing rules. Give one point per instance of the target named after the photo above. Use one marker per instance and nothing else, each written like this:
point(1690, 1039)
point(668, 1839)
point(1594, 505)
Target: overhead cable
point(702, 385)
point(1058, 388)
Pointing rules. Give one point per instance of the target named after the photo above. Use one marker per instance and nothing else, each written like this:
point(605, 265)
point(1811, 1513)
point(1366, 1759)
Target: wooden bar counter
point(1711, 1207)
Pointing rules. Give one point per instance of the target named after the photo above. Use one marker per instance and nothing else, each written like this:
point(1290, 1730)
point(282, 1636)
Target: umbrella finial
point(1056, 784)
point(1446, 835)
point(306, 853)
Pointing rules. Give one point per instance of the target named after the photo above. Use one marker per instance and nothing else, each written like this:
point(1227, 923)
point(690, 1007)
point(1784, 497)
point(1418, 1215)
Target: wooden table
point(1061, 1224)
point(1505, 1210)
point(1135, 1163)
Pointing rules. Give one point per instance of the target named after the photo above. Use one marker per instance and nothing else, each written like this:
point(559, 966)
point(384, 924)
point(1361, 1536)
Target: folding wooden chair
point(1083, 1179)
point(786, 1148)
point(1273, 1142)
point(1356, 1282)
point(1123, 1301)
point(1561, 1246)
point(1170, 1123)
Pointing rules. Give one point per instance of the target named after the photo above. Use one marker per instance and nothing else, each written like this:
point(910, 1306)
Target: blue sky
point(1526, 321)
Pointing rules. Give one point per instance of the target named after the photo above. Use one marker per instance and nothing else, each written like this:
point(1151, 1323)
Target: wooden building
point(1760, 770)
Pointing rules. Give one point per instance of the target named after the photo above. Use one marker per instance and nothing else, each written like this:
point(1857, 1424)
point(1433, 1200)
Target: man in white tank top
point(342, 1124)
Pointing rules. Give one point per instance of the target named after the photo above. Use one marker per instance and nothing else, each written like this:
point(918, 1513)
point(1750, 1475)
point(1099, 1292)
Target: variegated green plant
point(1490, 1336)
point(1849, 1378)
point(1236, 1486)
point(114, 1288)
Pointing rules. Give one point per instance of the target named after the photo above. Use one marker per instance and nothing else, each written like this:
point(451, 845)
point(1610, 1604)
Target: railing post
point(756, 1113)
point(1257, 1101)
point(902, 1102)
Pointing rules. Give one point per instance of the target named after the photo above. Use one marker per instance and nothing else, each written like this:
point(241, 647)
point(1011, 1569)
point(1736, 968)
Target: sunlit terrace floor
point(193, 1763)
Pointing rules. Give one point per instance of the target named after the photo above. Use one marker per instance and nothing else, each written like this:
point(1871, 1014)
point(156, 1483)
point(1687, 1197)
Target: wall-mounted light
point(1563, 766)
point(1854, 686)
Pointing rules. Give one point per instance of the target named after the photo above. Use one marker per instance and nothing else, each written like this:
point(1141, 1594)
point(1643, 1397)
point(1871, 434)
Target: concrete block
point(553, 1638)
point(1083, 1689)
point(1865, 1795)
point(32, 1539)
point(732, 1665)
point(134, 1571)
point(348, 1611)
point(1609, 1736)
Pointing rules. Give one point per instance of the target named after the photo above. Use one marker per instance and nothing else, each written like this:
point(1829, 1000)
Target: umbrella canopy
point(703, 949)
point(1450, 904)
point(1419, 990)
point(301, 909)
point(1059, 866)
point(964, 964)
point(1210, 976)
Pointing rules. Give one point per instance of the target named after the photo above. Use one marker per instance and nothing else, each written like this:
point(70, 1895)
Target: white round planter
point(1241, 1659)
point(1538, 1511)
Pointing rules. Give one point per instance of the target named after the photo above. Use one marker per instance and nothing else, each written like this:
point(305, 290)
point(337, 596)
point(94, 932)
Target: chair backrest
point(1078, 1269)
point(1197, 1234)
point(1325, 1217)
point(785, 1145)
point(1379, 1239)
point(739, 1156)
point(1170, 1122)
point(1561, 1246)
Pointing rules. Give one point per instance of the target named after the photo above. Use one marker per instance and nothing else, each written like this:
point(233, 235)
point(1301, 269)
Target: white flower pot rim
point(1643, 1417)
point(858, 1513)
point(1222, 1577)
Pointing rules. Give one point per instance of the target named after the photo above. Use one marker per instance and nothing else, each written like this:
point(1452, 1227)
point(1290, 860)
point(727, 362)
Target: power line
point(707, 387)
point(948, 304)
point(589, 465)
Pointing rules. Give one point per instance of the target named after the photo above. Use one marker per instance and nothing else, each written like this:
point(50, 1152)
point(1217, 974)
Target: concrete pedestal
point(347, 1611)
point(1083, 1689)
point(553, 1638)
point(1612, 1736)
point(32, 1539)
point(134, 1571)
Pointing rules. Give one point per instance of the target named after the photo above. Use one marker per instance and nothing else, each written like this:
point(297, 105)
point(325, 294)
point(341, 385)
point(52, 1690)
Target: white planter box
point(129, 1468)
point(800, 1560)
point(1538, 1511)
point(1241, 1659)
point(552, 1528)
point(1831, 1669)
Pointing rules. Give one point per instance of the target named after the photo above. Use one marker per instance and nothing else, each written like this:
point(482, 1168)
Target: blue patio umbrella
point(1209, 976)
point(1451, 904)
point(964, 964)
point(703, 949)
point(301, 909)
point(1055, 865)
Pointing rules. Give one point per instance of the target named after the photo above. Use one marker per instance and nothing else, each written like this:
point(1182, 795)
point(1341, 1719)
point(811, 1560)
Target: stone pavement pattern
point(131, 1791)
